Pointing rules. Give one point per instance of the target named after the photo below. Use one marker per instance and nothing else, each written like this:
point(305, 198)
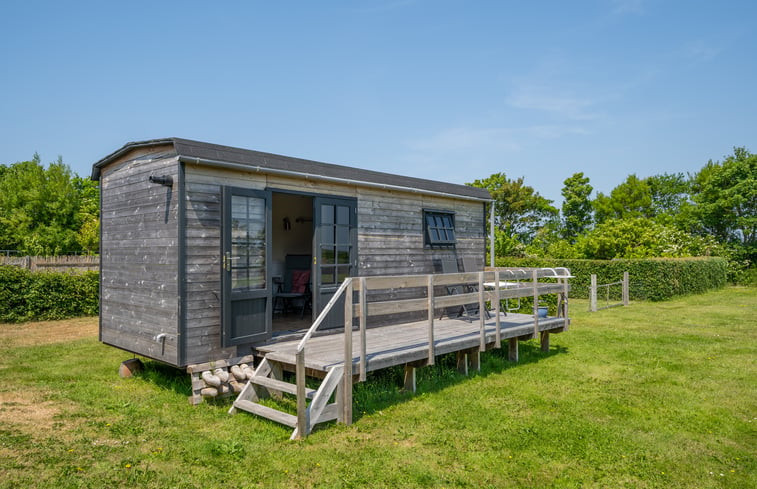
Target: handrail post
point(593, 294)
point(625, 289)
point(303, 424)
point(363, 323)
point(498, 299)
point(565, 304)
point(536, 302)
point(431, 300)
point(481, 311)
point(347, 380)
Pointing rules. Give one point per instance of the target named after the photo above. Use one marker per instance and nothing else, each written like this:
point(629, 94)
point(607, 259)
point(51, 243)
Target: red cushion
point(300, 279)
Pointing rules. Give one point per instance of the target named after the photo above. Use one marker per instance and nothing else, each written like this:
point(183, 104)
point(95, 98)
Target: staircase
point(264, 384)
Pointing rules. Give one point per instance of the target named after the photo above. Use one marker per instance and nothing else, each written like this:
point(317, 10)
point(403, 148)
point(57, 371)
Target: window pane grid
point(440, 228)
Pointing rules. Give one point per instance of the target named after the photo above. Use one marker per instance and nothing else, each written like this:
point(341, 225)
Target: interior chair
point(295, 291)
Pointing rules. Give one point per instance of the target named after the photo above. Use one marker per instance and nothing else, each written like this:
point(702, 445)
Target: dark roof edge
point(198, 152)
point(123, 150)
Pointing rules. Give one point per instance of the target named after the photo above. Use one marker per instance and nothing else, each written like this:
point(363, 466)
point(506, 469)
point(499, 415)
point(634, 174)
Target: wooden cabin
point(205, 249)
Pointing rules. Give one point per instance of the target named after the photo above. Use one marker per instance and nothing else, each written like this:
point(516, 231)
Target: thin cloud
point(550, 100)
point(622, 7)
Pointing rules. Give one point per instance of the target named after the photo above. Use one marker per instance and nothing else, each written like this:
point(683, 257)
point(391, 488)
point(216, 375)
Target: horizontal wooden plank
point(395, 281)
point(396, 307)
point(456, 299)
point(266, 412)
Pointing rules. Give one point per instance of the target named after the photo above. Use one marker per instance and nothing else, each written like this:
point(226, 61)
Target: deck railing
point(482, 287)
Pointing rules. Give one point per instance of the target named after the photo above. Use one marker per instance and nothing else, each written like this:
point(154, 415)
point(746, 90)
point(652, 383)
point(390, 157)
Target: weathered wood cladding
point(142, 237)
point(139, 258)
point(390, 240)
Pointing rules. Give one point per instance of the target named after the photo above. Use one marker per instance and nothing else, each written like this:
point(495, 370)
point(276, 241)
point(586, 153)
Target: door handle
point(227, 259)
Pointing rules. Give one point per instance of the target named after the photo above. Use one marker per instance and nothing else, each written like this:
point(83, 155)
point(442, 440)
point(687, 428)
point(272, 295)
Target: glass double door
point(247, 288)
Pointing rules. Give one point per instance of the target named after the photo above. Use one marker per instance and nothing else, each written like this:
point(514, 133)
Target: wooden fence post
point(593, 294)
point(625, 289)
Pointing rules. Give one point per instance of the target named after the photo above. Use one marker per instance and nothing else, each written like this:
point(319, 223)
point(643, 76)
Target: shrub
point(653, 279)
point(26, 295)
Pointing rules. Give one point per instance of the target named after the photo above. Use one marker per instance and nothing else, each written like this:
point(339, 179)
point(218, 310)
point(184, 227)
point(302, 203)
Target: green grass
point(652, 395)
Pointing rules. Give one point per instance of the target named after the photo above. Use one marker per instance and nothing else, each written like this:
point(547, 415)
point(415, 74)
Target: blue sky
point(448, 90)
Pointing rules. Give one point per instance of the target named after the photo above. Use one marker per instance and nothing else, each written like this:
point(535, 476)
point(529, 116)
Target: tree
point(576, 207)
point(632, 198)
point(518, 210)
point(670, 192)
point(41, 209)
point(725, 198)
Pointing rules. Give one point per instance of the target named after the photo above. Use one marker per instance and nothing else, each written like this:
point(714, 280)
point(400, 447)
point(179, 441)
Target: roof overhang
point(206, 154)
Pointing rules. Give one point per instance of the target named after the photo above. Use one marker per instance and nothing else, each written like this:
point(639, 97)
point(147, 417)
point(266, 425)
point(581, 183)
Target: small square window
point(439, 228)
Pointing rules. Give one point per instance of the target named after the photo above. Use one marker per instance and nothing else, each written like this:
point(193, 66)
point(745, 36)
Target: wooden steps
point(263, 384)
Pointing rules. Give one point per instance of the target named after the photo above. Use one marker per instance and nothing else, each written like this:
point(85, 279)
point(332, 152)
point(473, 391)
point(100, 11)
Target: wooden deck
point(387, 346)
point(343, 357)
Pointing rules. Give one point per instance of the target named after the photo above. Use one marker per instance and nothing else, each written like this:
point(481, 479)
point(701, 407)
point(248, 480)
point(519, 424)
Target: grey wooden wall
point(139, 257)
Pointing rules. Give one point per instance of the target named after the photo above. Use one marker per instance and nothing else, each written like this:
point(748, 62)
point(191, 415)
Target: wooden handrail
point(322, 316)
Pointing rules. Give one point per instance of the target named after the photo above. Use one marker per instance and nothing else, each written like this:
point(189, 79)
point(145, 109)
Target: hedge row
point(26, 295)
point(654, 279)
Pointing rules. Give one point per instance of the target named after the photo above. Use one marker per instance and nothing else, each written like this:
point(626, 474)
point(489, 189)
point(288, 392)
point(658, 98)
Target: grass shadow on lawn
point(166, 377)
point(384, 388)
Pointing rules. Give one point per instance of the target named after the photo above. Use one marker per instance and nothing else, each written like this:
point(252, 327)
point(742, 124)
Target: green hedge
point(26, 295)
point(654, 279)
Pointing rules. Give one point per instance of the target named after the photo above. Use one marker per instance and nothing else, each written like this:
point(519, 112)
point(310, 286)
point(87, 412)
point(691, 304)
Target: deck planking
point(391, 345)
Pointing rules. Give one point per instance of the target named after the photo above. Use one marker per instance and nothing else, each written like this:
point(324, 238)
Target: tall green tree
point(576, 206)
point(632, 198)
point(41, 208)
point(518, 211)
point(725, 198)
point(670, 193)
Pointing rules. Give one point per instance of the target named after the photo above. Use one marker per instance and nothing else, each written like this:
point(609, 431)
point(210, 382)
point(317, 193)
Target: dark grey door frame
point(258, 296)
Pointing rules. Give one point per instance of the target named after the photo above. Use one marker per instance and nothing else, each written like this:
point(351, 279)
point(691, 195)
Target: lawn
point(651, 395)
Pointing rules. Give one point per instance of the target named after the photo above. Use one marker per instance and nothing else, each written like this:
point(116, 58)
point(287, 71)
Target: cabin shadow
point(166, 377)
point(384, 388)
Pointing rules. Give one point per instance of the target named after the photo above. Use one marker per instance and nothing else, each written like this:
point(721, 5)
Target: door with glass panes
point(335, 252)
point(246, 241)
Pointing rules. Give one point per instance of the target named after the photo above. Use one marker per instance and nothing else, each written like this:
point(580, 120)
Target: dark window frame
point(439, 228)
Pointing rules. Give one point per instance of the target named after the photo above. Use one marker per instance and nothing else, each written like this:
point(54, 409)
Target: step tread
point(267, 412)
point(281, 385)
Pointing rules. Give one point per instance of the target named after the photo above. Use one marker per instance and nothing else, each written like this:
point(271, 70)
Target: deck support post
point(462, 362)
point(544, 341)
point(409, 381)
point(276, 373)
point(475, 359)
point(512, 350)
point(347, 379)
